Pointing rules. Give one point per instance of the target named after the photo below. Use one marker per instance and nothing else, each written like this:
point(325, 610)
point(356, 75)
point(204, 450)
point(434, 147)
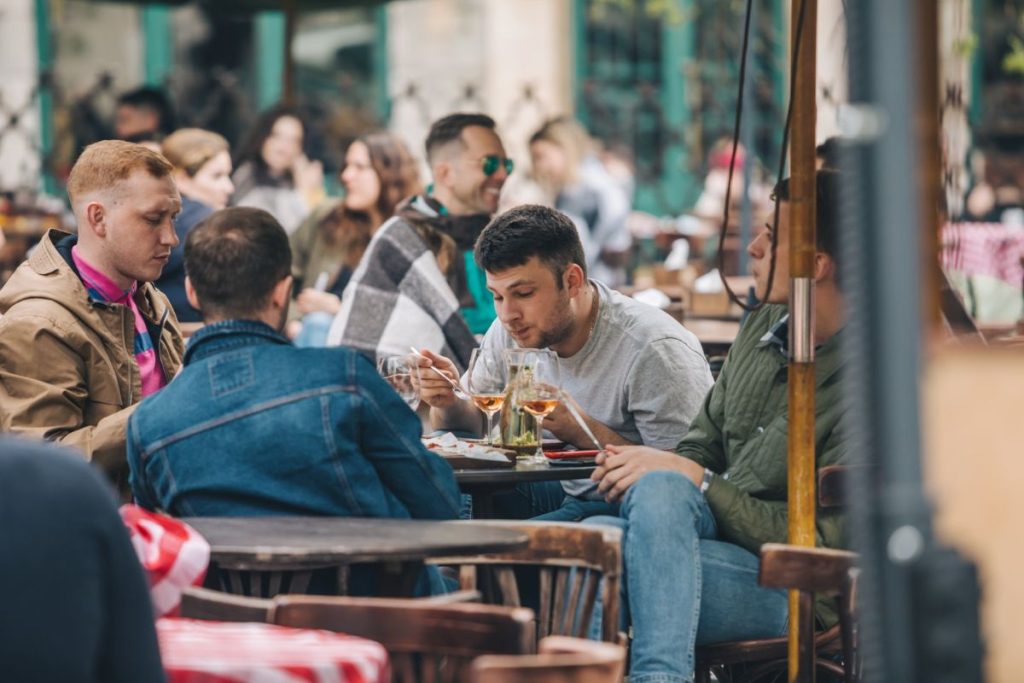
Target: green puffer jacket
point(741, 435)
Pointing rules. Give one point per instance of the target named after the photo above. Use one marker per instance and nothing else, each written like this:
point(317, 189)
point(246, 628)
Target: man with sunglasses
point(418, 283)
point(469, 168)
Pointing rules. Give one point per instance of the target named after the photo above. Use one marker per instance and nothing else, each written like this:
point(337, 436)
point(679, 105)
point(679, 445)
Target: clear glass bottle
point(518, 428)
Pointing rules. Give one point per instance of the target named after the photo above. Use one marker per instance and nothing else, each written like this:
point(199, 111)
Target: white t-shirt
point(641, 373)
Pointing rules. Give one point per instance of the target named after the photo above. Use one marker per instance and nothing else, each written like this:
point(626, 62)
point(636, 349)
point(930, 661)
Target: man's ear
point(824, 267)
point(574, 279)
point(442, 172)
point(190, 294)
point(96, 218)
point(282, 293)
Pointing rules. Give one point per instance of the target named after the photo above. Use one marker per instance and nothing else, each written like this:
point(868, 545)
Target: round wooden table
point(482, 484)
point(260, 555)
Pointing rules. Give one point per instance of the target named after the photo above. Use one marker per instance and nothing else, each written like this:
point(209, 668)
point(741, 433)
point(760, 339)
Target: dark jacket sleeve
point(704, 441)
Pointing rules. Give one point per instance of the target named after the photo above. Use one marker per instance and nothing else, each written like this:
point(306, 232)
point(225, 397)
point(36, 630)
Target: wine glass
point(538, 392)
point(397, 372)
point(486, 384)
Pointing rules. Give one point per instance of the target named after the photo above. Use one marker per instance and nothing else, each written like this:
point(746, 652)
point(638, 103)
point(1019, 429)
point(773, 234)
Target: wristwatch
point(705, 483)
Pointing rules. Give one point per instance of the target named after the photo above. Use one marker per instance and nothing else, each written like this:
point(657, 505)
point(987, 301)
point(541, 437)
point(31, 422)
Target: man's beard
point(563, 329)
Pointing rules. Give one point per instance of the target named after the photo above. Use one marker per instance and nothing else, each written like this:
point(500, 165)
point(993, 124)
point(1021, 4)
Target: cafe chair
point(573, 563)
point(203, 603)
point(425, 642)
point(560, 660)
point(809, 571)
point(266, 582)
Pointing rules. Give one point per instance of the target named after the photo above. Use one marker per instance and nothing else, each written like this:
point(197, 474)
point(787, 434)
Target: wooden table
point(715, 336)
point(482, 484)
point(264, 556)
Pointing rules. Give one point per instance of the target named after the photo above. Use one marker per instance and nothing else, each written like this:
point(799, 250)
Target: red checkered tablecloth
point(218, 652)
point(989, 249)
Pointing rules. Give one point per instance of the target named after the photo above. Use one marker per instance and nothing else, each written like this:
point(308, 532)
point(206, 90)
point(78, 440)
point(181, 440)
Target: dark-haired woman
point(273, 173)
point(379, 172)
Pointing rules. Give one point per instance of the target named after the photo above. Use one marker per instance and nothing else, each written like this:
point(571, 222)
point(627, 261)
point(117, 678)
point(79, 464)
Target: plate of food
point(468, 454)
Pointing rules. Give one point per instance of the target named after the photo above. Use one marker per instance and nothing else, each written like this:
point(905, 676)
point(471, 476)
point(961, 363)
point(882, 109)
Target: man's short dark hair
point(235, 258)
point(154, 100)
point(516, 236)
point(826, 209)
point(449, 129)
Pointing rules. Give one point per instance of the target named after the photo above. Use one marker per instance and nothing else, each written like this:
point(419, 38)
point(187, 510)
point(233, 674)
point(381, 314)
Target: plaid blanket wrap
point(399, 298)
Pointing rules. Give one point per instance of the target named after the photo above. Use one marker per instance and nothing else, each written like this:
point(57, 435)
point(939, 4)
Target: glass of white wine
point(486, 384)
point(538, 392)
point(397, 371)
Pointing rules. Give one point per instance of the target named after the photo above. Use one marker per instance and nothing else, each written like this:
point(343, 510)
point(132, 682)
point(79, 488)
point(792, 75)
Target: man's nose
point(754, 248)
point(170, 236)
point(506, 312)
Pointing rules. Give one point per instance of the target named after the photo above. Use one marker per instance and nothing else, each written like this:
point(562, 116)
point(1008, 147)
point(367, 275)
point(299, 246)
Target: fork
point(460, 393)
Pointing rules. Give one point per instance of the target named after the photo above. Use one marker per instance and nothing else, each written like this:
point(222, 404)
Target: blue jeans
point(681, 586)
point(547, 501)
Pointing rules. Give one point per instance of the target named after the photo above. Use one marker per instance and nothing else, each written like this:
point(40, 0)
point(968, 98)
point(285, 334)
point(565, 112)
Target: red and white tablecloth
point(990, 249)
point(218, 652)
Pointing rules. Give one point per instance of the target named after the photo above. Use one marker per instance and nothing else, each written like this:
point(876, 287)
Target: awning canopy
point(257, 5)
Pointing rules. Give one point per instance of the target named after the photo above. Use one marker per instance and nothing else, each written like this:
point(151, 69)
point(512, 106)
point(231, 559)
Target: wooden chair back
point(203, 603)
point(573, 563)
point(426, 642)
point(820, 570)
point(808, 570)
point(560, 660)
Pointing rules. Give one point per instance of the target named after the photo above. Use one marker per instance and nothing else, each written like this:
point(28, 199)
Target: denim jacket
point(255, 426)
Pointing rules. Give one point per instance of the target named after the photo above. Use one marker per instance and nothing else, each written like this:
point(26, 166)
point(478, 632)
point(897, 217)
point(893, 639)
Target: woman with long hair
point(202, 172)
point(379, 172)
point(273, 172)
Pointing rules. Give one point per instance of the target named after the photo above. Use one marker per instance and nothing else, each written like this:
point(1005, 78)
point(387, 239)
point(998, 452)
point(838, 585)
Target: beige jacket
point(67, 369)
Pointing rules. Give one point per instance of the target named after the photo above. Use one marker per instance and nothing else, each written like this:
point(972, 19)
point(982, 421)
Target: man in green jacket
point(695, 519)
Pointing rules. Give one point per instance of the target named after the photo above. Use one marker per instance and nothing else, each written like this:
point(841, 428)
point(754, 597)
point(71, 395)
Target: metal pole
point(747, 127)
point(290, 17)
point(801, 326)
point(881, 214)
point(930, 173)
point(46, 81)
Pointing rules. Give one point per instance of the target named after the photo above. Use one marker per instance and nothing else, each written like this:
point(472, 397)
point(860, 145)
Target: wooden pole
point(801, 325)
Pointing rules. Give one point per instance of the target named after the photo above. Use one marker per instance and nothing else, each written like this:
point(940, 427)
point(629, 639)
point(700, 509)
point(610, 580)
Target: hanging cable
point(783, 155)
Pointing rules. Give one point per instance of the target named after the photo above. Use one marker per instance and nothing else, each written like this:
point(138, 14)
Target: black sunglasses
point(492, 161)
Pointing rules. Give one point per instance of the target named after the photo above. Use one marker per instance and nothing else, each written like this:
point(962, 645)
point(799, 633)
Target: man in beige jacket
point(84, 336)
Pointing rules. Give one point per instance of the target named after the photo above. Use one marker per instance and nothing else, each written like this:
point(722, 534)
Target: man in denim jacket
point(255, 426)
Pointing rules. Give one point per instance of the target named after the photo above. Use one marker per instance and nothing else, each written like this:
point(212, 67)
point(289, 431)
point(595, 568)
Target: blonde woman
point(202, 172)
point(566, 165)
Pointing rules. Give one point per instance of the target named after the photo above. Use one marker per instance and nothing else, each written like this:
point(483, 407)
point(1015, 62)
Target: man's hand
point(619, 467)
point(311, 300)
point(561, 423)
point(433, 390)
